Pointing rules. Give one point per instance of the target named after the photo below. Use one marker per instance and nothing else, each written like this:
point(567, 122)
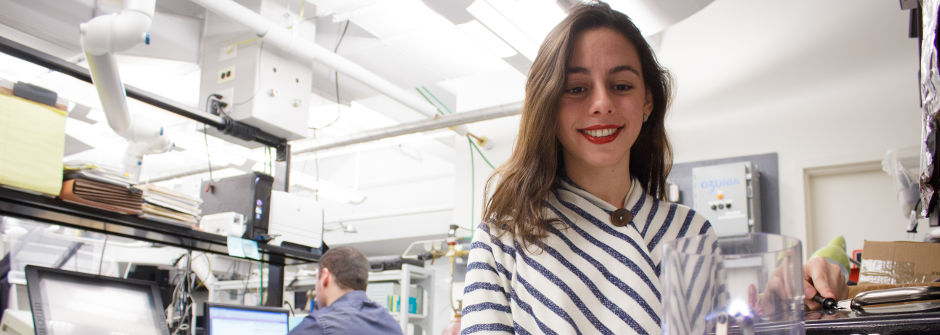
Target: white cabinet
point(409, 275)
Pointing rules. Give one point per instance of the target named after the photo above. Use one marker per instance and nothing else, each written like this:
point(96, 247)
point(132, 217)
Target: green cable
point(429, 101)
point(436, 99)
point(260, 284)
point(473, 188)
point(474, 145)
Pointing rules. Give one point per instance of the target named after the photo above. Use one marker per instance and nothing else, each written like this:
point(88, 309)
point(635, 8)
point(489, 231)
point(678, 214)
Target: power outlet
point(226, 75)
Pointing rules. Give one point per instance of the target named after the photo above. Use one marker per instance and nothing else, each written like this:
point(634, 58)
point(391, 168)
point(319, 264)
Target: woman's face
point(601, 109)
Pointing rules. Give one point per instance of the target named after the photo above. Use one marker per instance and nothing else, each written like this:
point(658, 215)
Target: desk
point(843, 322)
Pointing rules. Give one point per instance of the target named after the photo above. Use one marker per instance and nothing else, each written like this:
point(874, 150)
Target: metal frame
point(55, 211)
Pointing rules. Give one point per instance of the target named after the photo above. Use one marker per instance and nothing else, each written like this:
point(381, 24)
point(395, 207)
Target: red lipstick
point(600, 134)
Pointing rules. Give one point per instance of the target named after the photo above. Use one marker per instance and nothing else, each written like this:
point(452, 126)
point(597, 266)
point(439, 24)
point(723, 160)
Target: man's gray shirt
point(353, 313)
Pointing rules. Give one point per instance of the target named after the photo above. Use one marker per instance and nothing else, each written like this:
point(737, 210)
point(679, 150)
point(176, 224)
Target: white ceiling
point(409, 182)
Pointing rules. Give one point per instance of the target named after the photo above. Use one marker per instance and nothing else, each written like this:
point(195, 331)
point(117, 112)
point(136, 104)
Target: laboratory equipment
point(16, 322)
point(225, 223)
point(887, 301)
point(247, 194)
point(259, 85)
point(295, 219)
point(245, 320)
point(101, 38)
point(750, 284)
point(66, 302)
point(728, 195)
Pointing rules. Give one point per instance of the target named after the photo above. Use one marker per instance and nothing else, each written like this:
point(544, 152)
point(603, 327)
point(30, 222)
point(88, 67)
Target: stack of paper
point(85, 170)
point(94, 186)
point(32, 143)
point(165, 205)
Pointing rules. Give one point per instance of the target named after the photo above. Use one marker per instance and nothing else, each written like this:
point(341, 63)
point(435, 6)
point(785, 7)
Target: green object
point(834, 253)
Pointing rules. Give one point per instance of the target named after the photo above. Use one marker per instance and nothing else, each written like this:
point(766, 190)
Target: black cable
point(247, 279)
point(205, 133)
point(291, 307)
point(336, 77)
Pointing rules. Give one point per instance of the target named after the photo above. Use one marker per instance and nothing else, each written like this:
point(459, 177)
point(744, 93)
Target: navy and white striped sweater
point(591, 277)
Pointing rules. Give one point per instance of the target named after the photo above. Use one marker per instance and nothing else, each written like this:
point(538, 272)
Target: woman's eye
point(622, 87)
point(576, 90)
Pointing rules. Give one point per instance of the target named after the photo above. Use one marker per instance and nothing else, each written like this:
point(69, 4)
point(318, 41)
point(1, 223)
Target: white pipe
point(285, 40)
point(450, 120)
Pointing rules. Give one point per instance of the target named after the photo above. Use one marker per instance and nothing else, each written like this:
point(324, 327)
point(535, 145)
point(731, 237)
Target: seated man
point(342, 305)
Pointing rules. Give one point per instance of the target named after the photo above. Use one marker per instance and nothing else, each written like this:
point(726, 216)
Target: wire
point(205, 136)
point(429, 101)
point(473, 188)
point(257, 75)
point(103, 247)
point(291, 307)
point(260, 284)
point(339, 41)
point(247, 279)
point(316, 171)
point(481, 153)
point(436, 99)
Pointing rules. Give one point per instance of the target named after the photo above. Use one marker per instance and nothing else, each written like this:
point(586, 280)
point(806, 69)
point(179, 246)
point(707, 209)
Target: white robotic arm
point(101, 37)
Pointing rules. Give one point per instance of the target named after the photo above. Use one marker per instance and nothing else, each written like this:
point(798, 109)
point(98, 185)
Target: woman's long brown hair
point(520, 186)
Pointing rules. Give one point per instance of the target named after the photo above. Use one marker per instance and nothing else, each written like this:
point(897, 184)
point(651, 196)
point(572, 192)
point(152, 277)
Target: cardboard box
point(900, 262)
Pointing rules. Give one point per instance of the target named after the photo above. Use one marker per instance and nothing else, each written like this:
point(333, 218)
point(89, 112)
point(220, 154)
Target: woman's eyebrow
point(622, 68)
point(615, 69)
point(578, 69)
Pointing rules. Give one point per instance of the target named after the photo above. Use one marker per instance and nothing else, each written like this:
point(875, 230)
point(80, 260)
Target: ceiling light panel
point(504, 27)
point(487, 39)
point(449, 53)
point(654, 16)
point(535, 18)
point(388, 19)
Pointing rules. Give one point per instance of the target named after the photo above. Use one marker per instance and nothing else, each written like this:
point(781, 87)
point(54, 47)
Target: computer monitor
point(245, 320)
point(66, 302)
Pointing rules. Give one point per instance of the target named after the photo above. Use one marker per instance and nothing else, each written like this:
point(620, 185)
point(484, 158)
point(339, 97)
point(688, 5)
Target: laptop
point(224, 319)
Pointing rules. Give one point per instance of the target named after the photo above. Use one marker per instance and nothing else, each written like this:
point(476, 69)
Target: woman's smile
point(600, 134)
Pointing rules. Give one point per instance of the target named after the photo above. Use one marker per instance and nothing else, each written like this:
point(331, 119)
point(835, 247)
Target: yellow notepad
point(32, 144)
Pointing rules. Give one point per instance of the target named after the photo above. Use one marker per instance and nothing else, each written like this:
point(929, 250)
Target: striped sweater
point(591, 277)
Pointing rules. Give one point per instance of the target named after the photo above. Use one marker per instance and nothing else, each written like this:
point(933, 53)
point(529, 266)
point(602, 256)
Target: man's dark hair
point(348, 266)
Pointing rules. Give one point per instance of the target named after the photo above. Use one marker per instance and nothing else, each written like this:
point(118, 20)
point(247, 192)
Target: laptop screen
point(237, 320)
point(65, 302)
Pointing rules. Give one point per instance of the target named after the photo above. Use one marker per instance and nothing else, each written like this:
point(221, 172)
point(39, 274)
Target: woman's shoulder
point(679, 214)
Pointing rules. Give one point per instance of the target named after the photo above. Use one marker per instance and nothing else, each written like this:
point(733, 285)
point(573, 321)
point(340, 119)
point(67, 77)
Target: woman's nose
point(600, 102)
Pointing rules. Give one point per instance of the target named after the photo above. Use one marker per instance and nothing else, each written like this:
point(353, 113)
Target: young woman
point(569, 244)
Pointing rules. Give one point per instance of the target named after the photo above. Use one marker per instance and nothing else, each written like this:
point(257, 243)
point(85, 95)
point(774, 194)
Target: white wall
point(858, 202)
point(819, 82)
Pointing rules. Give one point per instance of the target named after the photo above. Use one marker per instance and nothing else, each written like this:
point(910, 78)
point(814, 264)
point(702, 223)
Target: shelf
point(411, 317)
point(55, 211)
point(417, 274)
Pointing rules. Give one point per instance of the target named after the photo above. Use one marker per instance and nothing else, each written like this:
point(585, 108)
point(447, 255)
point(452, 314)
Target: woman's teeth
point(601, 132)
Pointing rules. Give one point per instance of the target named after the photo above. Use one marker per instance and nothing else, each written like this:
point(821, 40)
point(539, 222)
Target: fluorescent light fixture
point(654, 16)
point(535, 18)
point(409, 16)
point(487, 39)
point(504, 28)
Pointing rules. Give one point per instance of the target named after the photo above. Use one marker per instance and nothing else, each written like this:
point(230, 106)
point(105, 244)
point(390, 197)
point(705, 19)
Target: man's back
point(353, 313)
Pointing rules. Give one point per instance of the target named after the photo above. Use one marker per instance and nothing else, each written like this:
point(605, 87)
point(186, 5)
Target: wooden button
point(620, 217)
